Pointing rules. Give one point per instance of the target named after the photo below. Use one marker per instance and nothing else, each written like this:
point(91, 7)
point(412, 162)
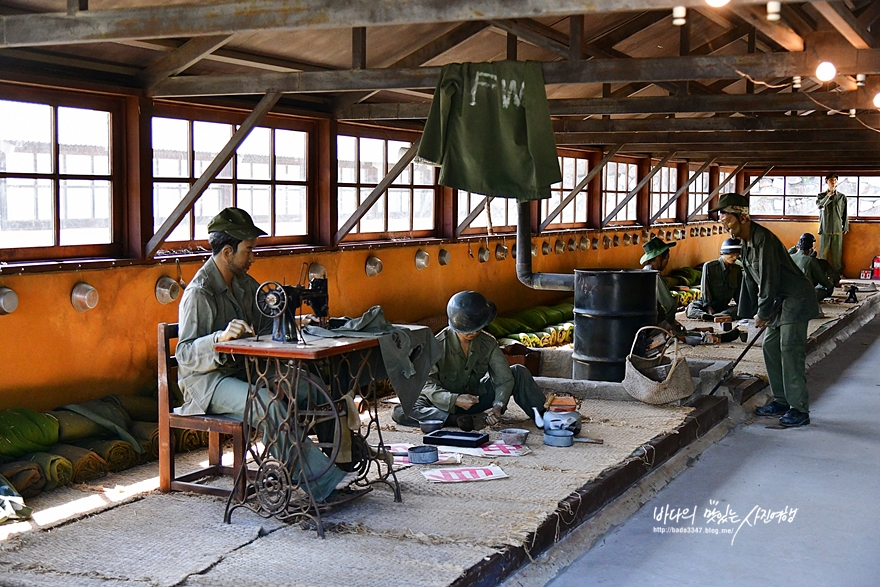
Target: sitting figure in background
point(656, 258)
point(720, 285)
point(472, 375)
point(803, 258)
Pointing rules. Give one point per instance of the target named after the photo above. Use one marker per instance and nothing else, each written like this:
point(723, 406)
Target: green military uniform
point(484, 373)
point(216, 383)
point(719, 285)
point(833, 222)
point(771, 280)
point(814, 273)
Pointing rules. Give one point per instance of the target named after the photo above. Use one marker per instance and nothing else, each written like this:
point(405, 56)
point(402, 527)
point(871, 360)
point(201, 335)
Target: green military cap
point(731, 201)
point(654, 248)
point(236, 223)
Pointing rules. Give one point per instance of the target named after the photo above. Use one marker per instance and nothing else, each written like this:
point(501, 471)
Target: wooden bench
point(214, 425)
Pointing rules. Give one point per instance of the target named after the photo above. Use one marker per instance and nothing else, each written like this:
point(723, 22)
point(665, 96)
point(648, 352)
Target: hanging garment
point(489, 129)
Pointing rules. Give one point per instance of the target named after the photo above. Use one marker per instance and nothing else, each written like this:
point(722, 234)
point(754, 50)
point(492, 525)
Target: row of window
point(57, 173)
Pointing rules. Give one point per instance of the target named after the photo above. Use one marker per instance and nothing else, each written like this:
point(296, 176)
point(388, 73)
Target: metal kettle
point(559, 420)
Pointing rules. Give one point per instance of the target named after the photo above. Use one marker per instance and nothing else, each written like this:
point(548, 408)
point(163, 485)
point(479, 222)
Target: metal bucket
point(610, 305)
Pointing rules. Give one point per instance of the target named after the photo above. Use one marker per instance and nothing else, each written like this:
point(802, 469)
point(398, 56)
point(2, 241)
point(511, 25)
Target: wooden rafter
point(181, 58)
point(842, 19)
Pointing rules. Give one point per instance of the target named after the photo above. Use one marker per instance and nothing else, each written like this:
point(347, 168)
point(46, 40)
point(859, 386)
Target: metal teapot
point(559, 420)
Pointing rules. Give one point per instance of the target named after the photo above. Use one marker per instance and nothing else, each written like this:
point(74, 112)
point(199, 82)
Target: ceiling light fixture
point(678, 15)
point(877, 100)
point(826, 71)
point(860, 80)
point(717, 3)
point(852, 112)
point(796, 82)
point(773, 9)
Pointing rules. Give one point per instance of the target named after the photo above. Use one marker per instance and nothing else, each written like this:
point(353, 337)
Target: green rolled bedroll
point(86, 464)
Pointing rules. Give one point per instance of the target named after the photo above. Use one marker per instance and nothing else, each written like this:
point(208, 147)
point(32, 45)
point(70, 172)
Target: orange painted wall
point(51, 355)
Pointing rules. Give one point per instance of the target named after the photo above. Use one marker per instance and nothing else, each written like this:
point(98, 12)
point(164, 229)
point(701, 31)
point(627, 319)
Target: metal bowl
point(483, 255)
point(429, 426)
point(558, 438)
point(422, 259)
point(514, 436)
point(443, 257)
point(373, 266)
point(167, 290)
point(8, 301)
point(423, 455)
point(84, 297)
point(501, 252)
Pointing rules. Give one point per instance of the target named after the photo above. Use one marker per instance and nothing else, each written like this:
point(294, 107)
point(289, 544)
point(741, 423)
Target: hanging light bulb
point(773, 9)
point(860, 80)
point(796, 82)
point(826, 71)
point(678, 15)
point(877, 100)
point(717, 3)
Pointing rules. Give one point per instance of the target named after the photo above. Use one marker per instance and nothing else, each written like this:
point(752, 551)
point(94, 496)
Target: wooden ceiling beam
point(652, 70)
point(717, 124)
point(182, 58)
point(778, 31)
point(724, 148)
point(193, 20)
point(844, 21)
point(736, 137)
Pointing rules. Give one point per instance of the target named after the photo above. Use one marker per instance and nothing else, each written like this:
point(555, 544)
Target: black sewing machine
point(282, 302)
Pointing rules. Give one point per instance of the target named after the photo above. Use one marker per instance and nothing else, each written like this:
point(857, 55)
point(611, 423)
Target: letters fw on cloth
point(489, 129)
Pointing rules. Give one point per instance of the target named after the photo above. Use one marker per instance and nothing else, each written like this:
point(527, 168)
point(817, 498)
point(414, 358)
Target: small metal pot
point(559, 247)
point(545, 248)
point(572, 245)
point(373, 266)
point(423, 455)
point(501, 252)
point(8, 301)
point(483, 255)
point(584, 244)
point(560, 438)
point(443, 257)
point(83, 297)
point(422, 259)
point(167, 290)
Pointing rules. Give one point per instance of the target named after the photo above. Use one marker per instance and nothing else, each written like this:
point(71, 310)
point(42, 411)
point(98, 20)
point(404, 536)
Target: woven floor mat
point(51, 579)
point(160, 539)
point(295, 558)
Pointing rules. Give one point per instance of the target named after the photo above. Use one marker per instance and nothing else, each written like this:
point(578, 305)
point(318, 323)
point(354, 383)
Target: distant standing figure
point(833, 223)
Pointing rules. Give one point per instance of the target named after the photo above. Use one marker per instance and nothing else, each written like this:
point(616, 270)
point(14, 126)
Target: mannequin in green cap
point(219, 305)
point(656, 258)
point(833, 223)
point(781, 298)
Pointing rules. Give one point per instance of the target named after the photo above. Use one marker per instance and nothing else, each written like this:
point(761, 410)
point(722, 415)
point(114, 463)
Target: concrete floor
point(827, 472)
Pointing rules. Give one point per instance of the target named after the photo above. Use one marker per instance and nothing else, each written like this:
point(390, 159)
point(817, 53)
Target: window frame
point(604, 191)
point(56, 98)
point(856, 197)
point(236, 117)
point(385, 134)
point(670, 215)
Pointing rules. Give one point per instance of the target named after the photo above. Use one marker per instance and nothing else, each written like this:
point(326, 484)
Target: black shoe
point(794, 418)
point(772, 409)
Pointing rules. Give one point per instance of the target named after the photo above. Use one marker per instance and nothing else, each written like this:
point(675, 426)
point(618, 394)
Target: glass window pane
point(498, 210)
point(568, 173)
point(209, 138)
point(346, 159)
point(372, 159)
point(25, 137)
point(26, 213)
point(85, 212)
point(765, 205)
point(374, 219)
point(170, 147)
point(216, 197)
point(84, 141)
point(290, 210)
point(291, 155)
point(845, 185)
point(166, 196)
point(348, 203)
point(257, 200)
point(423, 174)
point(398, 210)
point(423, 210)
point(396, 150)
point(253, 155)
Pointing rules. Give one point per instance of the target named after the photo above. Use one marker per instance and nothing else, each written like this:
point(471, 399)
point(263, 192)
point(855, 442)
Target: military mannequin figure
point(833, 223)
point(720, 285)
point(472, 375)
point(781, 298)
point(803, 258)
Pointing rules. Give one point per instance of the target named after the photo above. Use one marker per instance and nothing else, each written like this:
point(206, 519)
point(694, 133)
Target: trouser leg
point(773, 363)
point(696, 309)
point(793, 346)
point(422, 410)
point(526, 392)
point(230, 397)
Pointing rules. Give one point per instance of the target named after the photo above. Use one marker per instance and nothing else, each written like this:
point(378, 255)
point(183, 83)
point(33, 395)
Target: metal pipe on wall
point(549, 281)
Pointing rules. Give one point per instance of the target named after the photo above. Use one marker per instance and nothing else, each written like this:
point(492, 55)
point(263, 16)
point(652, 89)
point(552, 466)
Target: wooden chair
point(214, 425)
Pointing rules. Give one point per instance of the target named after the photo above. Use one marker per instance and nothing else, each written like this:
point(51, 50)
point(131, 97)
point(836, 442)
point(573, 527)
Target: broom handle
point(745, 350)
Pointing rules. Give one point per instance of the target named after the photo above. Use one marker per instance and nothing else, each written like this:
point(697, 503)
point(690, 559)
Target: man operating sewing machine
point(219, 305)
point(472, 382)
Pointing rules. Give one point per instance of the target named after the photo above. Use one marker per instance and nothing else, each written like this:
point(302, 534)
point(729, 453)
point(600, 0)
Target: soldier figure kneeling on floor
point(472, 375)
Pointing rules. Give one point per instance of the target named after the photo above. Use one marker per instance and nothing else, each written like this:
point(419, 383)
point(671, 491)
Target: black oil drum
point(610, 305)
